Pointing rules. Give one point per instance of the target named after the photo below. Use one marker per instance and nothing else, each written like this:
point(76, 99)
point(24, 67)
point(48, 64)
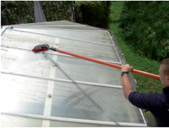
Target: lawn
point(144, 84)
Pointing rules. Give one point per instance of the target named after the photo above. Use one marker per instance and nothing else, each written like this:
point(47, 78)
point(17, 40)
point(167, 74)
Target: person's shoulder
point(145, 100)
point(149, 97)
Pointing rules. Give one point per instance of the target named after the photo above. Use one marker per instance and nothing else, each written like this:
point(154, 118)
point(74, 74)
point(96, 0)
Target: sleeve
point(143, 100)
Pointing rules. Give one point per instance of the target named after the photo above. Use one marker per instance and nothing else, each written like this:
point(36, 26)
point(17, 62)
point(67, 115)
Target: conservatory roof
point(54, 89)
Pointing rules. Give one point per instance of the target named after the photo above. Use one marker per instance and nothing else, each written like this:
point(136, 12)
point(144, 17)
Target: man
point(157, 104)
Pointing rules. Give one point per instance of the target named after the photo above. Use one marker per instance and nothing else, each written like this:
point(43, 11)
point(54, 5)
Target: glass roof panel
point(72, 100)
point(22, 94)
point(81, 70)
point(57, 24)
point(79, 89)
point(92, 50)
point(25, 62)
point(95, 36)
point(29, 63)
point(14, 38)
point(16, 121)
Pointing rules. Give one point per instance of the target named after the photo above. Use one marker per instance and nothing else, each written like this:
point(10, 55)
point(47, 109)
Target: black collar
point(166, 90)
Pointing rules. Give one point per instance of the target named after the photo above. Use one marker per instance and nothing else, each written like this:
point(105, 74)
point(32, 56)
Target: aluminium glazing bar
point(65, 29)
point(77, 120)
point(114, 47)
point(119, 63)
point(67, 25)
point(50, 90)
point(142, 116)
point(2, 32)
point(63, 80)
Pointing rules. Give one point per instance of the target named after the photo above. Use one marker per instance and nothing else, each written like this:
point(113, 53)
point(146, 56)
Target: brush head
point(41, 48)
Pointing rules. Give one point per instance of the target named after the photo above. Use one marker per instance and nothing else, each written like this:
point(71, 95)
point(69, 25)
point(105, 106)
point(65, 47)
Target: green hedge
point(146, 28)
point(94, 13)
point(15, 12)
point(56, 10)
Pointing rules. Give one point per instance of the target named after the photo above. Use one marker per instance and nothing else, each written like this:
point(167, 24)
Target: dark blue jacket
point(157, 104)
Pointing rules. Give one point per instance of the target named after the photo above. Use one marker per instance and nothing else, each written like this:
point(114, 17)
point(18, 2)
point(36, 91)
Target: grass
point(144, 84)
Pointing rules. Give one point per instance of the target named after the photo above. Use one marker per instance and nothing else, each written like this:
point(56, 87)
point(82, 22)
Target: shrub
point(93, 13)
point(56, 10)
point(145, 28)
point(15, 12)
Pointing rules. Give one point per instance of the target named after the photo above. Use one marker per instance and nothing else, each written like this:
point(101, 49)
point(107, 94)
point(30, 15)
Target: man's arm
point(141, 100)
point(127, 86)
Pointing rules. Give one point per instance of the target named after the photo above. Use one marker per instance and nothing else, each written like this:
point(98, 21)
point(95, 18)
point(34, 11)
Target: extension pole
point(109, 64)
point(45, 47)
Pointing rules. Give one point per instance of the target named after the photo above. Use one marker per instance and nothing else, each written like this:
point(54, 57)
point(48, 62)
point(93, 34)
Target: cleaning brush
point(41, 48)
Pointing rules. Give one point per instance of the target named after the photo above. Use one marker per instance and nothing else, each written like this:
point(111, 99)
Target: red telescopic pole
point(45, 47)
point(110, 64)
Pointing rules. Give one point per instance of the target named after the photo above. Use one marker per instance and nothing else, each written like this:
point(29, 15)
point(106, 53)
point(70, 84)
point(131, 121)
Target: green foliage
point(78, 12)
point(145, 84)
point(15, 12)
point(145, 28)
point(114, 13)
point(93, 13)
point(56, 10)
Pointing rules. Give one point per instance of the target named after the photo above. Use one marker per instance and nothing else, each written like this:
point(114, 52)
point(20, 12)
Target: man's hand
point(127, 86)
point(126, 68)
